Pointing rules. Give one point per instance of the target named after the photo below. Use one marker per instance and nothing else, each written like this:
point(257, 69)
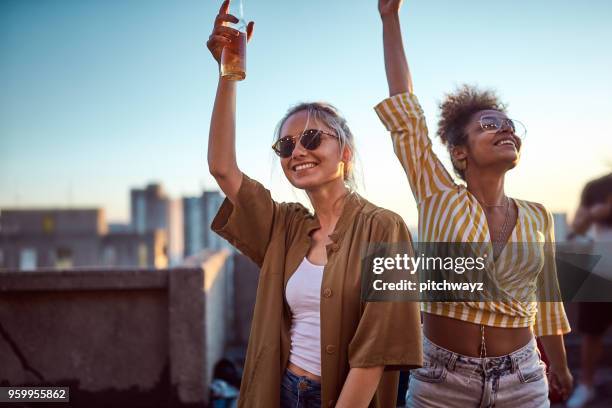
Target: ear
point(459, 153)
point(347, 154)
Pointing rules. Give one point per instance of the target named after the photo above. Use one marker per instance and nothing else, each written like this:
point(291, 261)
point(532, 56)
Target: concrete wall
point(116, 337)
point(218, 305)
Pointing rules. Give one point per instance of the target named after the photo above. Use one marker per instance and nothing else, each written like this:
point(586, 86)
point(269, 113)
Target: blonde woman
point(313, 341)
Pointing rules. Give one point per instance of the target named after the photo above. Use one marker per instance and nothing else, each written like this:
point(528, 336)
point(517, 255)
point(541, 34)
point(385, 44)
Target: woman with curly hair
point(479, 353)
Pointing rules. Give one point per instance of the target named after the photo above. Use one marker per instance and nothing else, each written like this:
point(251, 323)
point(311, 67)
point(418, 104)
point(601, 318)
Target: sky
point(98, 97)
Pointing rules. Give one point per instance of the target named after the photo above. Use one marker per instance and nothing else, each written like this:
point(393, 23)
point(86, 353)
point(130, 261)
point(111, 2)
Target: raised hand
point(396, 64)
point(389, 7)
point(223, 35)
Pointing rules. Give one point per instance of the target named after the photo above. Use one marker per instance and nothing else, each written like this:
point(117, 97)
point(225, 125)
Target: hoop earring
point(347, 170)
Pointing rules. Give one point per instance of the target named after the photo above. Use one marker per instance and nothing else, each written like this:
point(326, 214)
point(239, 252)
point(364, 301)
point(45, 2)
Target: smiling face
point(311, 169)
point(484, 149)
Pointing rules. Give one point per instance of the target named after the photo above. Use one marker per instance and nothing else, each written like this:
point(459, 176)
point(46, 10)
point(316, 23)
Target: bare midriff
point(466, 338)
point(302, 373)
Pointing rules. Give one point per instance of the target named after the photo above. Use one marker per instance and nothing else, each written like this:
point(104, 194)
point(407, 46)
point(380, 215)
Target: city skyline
point(162, 231)
point(85, 117)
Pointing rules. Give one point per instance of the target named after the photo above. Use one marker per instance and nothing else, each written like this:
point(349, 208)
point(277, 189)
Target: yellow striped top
point(448, 212)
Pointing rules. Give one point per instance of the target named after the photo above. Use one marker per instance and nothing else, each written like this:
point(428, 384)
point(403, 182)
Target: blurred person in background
point(594, 318)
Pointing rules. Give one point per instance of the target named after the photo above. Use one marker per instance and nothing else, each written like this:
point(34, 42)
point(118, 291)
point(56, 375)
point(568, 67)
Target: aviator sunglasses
point(310, 139)
point(493, 124)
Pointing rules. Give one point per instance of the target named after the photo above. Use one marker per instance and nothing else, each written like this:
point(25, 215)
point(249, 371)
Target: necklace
point(496, 205)
point(498, 243)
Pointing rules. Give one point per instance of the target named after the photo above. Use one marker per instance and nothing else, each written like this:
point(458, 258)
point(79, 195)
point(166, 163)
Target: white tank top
point(304, 298)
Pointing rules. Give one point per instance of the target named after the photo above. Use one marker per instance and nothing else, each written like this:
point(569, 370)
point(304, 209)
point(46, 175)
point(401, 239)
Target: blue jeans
point(299, 392)
point(451, 380)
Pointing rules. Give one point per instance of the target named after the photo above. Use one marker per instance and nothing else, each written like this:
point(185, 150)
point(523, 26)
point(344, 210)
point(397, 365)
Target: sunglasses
point(493, 124)
point(310, 139)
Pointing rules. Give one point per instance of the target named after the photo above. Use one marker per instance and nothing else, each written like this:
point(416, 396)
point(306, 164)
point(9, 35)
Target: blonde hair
point(328, 114)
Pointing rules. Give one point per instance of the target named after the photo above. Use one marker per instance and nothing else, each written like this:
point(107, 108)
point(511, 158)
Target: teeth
point(304, 166)
point(506, 142)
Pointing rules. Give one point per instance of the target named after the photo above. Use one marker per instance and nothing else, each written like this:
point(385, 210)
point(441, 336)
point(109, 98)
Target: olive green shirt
point(276, 236)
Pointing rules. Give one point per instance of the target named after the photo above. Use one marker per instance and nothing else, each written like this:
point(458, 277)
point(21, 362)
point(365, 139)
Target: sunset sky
point(101, 96)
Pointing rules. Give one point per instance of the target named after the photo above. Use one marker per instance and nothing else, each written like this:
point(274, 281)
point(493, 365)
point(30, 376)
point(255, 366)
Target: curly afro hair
point(457, 109)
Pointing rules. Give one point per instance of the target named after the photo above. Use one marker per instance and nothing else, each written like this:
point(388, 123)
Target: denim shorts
point(449, 380)
point(299, 392)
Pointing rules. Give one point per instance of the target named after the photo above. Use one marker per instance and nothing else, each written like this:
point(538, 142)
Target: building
point(119, 227)
point(212, 201)
point(175, 232)
point(35, 238)
point(198, 213)
point(128, 249)
point(67, 238)
point(151, 210)
point(193, 230)
point(561, 227)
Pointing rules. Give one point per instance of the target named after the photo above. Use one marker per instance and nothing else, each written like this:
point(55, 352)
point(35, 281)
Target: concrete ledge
point(137, 338)
point(84, 279)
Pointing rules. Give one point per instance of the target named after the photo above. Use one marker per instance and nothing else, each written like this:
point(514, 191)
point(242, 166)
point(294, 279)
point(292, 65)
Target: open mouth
point(506, 142)
point(303, 166)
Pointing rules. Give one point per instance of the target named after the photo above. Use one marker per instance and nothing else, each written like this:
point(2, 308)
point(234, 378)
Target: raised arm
point(221, 140)
point(402, 114)
point(396, 64)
